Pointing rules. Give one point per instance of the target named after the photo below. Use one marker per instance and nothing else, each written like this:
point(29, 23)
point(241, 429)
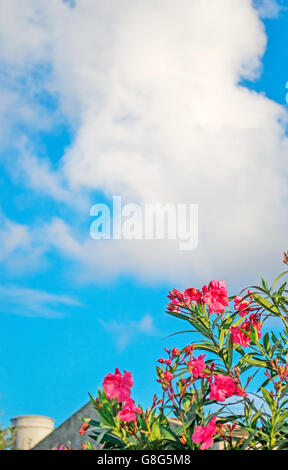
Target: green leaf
point(206, 347)
point(162, 420)
point(258, 363)
point(156, 431)
point(266, 304)
point(254, 419)
point(107, 436)
point(238, 322)
point(180, 333)
point(247, 441)
point(275, 346)
point(229, 348)
point(267, 397)
point(266, 344)
point(264, 284)
point(88, 445)
point(277, 279)
point(179, 315)
point(200, 327)
point(105, 418)
point(283, 445)
point(166, 433)
point(273, 337)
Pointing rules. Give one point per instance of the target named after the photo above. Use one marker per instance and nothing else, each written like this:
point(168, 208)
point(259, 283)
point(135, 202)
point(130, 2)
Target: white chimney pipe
point(30, 430)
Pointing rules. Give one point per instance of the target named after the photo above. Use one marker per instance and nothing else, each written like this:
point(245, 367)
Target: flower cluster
point(204, 434)
point(177, 301)
point(119, 386)
point(195, 366)
point(214, 296)
point(221, 386)
point(244, 307)
point(196, 388)
point(224, 387)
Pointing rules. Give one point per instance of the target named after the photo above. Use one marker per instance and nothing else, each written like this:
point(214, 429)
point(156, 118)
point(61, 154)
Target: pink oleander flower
point(239, 337)
point(188, 349)
point(242, 306)
point(166, 380)
point(176, 295)
point(215, 296)
point(175, 352)
point(177, 300)
point(254, 319)
point(239, 392)
point(204, 434)
point(192, 295)
point(197, 365)
point(118, 386)
point(128, 411)
point(168, 376)
point(222, 388)
point(173, 306)
point(165, 361)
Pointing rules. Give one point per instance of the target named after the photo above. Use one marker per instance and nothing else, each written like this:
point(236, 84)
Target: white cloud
point(128, 331)
point(268, 8)
point(33, 302)
point(37, 173)
point(152, 91)
point(12, 237)
point(21, 249)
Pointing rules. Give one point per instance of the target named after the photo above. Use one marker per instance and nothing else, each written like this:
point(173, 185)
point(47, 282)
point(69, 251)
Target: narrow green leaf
point(267, 397)
point(266, 304)
point(277, 279)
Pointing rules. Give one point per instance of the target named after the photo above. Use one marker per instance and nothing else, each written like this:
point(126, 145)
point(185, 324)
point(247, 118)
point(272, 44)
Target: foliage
point(7, 438)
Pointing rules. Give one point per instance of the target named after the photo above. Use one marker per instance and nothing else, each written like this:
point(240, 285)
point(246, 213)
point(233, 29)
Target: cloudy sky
point(158, 102)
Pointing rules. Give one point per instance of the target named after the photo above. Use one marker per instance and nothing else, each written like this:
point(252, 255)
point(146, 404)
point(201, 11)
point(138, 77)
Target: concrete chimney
point(30, 430)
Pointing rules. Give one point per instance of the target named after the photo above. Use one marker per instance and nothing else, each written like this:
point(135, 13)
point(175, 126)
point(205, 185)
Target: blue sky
point(83, 120)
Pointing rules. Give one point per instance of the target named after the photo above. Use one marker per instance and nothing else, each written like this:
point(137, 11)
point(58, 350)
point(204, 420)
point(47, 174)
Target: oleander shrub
point(228, 385)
